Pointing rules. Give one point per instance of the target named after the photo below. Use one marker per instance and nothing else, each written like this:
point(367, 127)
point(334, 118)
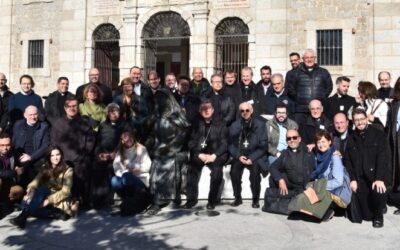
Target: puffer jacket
point(304, 86)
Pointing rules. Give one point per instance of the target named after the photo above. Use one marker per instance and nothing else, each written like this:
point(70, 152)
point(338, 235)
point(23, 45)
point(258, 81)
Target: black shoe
point(210, 206)
point(237, 202)
point(397, 212)
point(190, 204)
point(255, 204)
point(153, 210)
point(377, 223)
point(20, 220)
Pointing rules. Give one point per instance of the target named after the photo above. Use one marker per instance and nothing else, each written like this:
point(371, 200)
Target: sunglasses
point(290, 138)
point(244, 110)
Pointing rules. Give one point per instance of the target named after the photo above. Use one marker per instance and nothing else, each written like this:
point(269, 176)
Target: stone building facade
point(68, 37)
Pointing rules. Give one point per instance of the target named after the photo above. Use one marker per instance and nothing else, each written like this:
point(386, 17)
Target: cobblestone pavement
point(235, 228)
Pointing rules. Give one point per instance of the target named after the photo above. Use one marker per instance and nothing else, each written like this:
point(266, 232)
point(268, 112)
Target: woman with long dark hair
point(48, 195)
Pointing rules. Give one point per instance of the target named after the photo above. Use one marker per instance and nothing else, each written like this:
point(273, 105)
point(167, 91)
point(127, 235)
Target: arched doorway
point(106, 53)
point(166, 44)
point(232, 46)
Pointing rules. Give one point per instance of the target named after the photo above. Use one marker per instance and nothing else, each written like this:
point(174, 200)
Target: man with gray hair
point(308, 82)
point(278, 95)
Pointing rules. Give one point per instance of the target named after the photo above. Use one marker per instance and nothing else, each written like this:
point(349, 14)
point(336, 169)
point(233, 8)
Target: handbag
point(276, 203)
point(353, 211)
point(344, 192)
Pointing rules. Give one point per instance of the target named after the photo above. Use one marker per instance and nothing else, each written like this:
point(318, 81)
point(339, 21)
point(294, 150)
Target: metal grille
point(329, 47)
point(35, 53)
point(232, 47)
point(107, 53)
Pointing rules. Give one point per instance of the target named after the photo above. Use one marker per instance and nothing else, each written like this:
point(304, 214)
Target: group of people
point(148, 143)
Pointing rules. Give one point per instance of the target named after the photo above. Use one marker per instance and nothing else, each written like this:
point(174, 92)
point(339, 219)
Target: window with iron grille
point(35, 53)
point(232, 46)
point(329, 47)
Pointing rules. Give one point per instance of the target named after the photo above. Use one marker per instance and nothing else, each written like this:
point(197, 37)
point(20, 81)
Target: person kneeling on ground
point(48, 195)
point(290, 173)
point(131, 161)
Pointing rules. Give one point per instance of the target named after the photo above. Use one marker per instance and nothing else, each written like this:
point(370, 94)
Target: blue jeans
point(34, 207)
point(126, 181)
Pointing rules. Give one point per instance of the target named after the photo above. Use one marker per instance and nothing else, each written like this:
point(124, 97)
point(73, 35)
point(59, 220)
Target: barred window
point(329, 47)
point(35, 53)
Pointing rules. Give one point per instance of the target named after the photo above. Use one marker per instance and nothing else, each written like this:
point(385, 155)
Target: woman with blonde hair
point(92, 106)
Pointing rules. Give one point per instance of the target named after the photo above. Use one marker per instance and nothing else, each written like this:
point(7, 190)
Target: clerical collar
point(293, 150)
point(339, 95)
point(344, 135)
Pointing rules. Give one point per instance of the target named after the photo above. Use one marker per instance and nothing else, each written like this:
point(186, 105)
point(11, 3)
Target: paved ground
point(235, 228)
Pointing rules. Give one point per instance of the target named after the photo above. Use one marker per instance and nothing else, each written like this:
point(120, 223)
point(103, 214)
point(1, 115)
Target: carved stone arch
point(164, 25)
point(217, 17)
point(106, 32)
point(231, 26)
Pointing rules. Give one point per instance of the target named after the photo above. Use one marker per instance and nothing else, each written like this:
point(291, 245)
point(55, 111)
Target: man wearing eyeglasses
point(276, 129)
point(367, 161)
point(291, 171)
point(208, 147)
point(341, 133)
point(248, 145)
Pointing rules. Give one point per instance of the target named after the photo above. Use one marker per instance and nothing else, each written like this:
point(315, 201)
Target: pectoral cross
point(245, 144)
point(203, 144)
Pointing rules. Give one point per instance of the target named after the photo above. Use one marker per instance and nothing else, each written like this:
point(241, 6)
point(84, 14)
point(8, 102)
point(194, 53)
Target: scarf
point(323, 160)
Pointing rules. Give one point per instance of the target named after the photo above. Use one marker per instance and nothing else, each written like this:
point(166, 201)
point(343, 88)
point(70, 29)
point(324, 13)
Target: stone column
point(198, 40)
point(128, 43)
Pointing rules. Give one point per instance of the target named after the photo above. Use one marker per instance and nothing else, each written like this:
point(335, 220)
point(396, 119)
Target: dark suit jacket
point(368, 156)
point(54, 106)
point(216, 141)
point(258, 141)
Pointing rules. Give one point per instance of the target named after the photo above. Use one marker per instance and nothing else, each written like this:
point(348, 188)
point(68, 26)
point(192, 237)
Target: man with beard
point(54, 105)
point(74, 135)
point(247, 144)
point(276, 130)
point(208, 147)
point(341, 101)
point(294, 59)
point(94, 78)
point(264, 88)
point(223, 105)
point(5, 94)
point(367, 161)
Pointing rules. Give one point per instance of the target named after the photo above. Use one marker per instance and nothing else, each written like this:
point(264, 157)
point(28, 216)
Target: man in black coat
point(314, 122)
point(208, 147)
point(54, 105)
point(291, 171)
point(263, 88)
point(385, 92)
point(188, 101)
point(340, 102)
point(278, 94)
point(5, 94)
point(94, 77)
point(248, 144)
point(248, 91)
point(367, 161)
point(232, 89)
point(341, 132)
point(74, 135)
point(224, 108)
point(11, 170)
point(308, 82)
point(199, 84)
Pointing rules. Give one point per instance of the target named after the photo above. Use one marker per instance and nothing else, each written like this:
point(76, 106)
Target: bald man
point(31, 138)
point(341, 132)
point(248, 146)
point(198, 84)
point(314, 122)
point(94, 77)
point(385, 92)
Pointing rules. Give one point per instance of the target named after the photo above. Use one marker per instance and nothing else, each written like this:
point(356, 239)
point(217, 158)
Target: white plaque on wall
point(105, 7)
point(219, 4)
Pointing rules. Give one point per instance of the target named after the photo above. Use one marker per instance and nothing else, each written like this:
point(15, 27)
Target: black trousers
point(194, 173)
point(371, 202)
point(236, 176)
